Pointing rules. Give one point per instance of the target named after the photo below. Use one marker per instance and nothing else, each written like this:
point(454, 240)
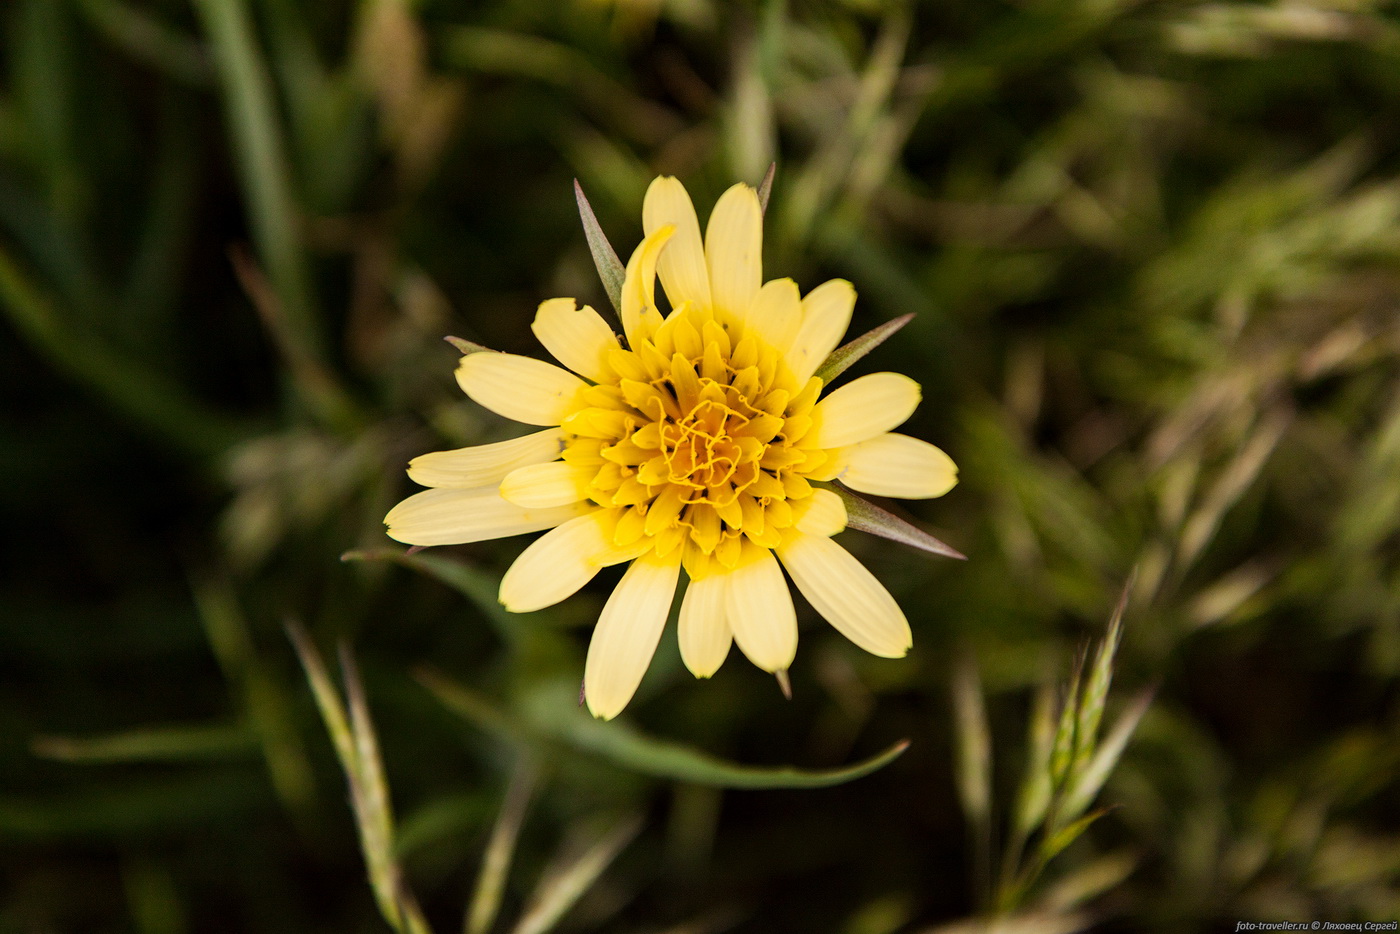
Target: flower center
point(711, 451)
point(699, 449)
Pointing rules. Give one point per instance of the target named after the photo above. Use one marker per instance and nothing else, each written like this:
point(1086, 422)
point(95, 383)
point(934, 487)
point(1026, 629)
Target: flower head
point(693, 445)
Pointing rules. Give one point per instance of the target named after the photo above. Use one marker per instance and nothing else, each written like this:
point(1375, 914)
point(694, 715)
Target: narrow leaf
point(843, 357)
point(652, 756)
point(765, 187)
point(865, 516)
point(251, 111)
point(610, 268)
point(559, 892)
point(495, 866)
point(637, 751)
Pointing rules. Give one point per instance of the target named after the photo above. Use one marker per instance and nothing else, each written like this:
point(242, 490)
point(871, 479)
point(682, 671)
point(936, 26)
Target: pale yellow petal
point(640, 319)
point(862, 409)
point(822, 513)
point(684, 275)
point(520, 388)
point(826, 313)
point(539, 486)
point(846, 594)
point(734, 252)
point(897, 465)
point(760, 611)
point(485, 464)
point(579, 338)
point(557, 563)
point(703, 628)
point(627, 632)
point(776, 314)
point(455, 517)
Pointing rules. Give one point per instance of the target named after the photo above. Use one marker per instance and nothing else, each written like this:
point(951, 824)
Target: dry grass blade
point(327, 699)
point(371, 798)
point(560, 891)
point(500, 850)
point(352, 734)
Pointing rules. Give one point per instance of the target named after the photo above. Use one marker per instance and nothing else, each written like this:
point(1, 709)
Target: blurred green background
point(1154, 250)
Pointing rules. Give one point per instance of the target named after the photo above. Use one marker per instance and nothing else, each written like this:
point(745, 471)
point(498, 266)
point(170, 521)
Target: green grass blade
point(161, 406)
point(373, 810)
point(327, 700)
point(1037, 785)
point(1096, 688)
point(151, 744)
point(646, 754)
point(1062, 755)
point(1087, 784)
point(560, 892)
point(262, 161)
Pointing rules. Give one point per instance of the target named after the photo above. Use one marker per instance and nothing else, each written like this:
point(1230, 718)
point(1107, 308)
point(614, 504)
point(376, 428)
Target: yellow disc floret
point(695, 441)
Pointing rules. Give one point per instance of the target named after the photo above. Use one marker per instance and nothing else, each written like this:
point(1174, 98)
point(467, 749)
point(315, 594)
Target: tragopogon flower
point(693, 445)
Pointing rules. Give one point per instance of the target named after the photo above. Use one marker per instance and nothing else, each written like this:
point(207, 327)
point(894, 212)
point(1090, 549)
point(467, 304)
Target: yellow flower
point(695, 446)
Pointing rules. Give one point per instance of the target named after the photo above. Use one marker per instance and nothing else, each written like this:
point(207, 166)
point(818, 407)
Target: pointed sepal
point(843, 357)
point(466, 347)
point(610, 268)
point(765, 187)
point(865, 516)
